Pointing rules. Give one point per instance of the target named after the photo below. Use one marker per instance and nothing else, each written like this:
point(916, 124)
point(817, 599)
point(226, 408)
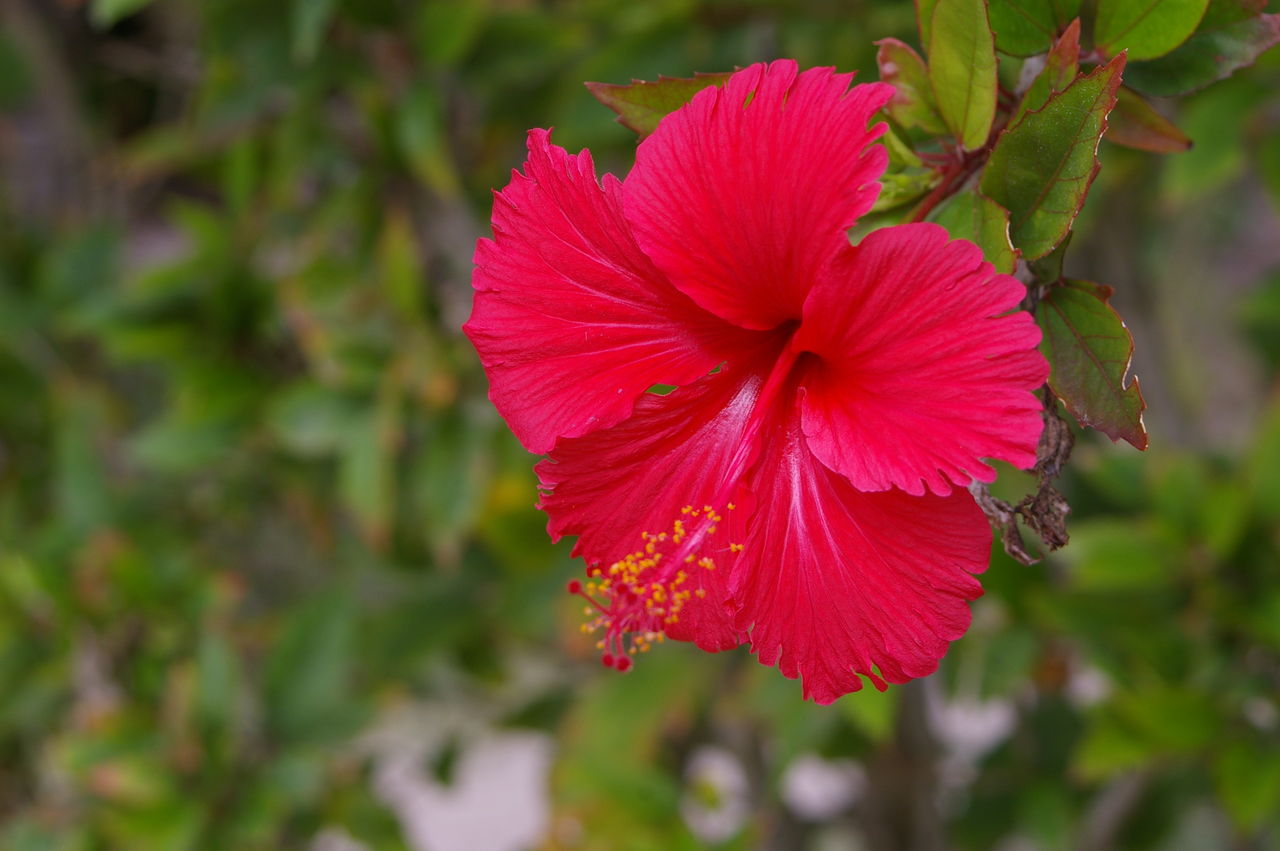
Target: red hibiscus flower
point(803, 489)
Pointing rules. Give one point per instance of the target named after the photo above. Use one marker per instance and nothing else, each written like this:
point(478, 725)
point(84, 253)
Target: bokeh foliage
point(254, 504)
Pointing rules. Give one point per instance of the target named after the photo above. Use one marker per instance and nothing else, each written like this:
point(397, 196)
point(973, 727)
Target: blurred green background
point(270, 572)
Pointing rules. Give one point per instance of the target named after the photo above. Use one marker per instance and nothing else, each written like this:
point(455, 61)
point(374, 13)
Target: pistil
point(635, 599)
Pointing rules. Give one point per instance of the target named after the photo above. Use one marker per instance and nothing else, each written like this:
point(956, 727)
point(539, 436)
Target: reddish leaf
point(1135, 124)
point(1061, 65)
point(1089, 350)
point(641, 105)
point(912, 104)
point(1042, 167)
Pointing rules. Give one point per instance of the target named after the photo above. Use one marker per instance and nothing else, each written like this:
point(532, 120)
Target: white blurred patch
point(1200, 826)
point(498, 800)
point(967, 728)
point(838, 837)
point(817, 789)
point(1087, 686)
point(1261, 713)
point(1031, 69)
point(715, 802)
point(336, 839)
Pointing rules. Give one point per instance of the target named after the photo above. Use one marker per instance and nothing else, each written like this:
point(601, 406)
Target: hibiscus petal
point(610, 486)
point(835, 584)
point(742, 195)
point(919, 375)
point(571, 321)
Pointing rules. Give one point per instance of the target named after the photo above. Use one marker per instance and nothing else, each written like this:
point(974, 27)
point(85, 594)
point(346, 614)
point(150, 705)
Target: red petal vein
point(923, 373)
point(834, 584)
point(571, 320)
point(742, 195)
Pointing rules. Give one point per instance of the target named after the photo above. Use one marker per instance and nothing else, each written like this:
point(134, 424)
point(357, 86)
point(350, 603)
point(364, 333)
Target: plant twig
point(1044, 511)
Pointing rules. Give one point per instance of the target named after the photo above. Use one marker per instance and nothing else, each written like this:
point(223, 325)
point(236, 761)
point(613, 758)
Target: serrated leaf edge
point(1128, 384)
point(1111, 89)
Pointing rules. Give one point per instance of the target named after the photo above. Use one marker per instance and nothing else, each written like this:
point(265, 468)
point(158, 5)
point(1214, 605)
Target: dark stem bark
point(901, 811)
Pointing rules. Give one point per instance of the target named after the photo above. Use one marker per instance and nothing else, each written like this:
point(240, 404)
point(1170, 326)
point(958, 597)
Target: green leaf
point(367, 476)
point(240, 177)
point(873, 222)
point(1263, 618)
point(972, 216)
point(912, 104)
point(1146, 28)
point(106, 13)
point(1048, 269)
point(924, 20)
point(1110, 747)
point(446, 29)
point(1259, 314)
point(76, 280)
point(1224, 518)
point(1114, 555)
point(962, 69)
point(1176, 719)
point(897, 189)
point(306, 693)
point(1135, 124)
point(1219, 124)
point(901, 157)
point(1247, 777)
point(79, 484)
point(310, 20)
point(641, 105)
point(217, 693)
point(614, 725)
point(423, 140)
point(1023, 27)
point(448, 482)
point(1089, 350)
point(1042, 167)
point(25, 831)
point(15, 76)
point(1136, 726)
point(1207, 56)
point(1222, 13)
point(872, 711)
point(400, 266)
point(312, 420)
point(1061, 65)
point(1263, 479)
point(1065, 11)
point(1268, 162)
point(1177, 491)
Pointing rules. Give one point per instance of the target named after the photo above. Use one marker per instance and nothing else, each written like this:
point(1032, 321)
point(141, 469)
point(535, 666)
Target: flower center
point(636, 598)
